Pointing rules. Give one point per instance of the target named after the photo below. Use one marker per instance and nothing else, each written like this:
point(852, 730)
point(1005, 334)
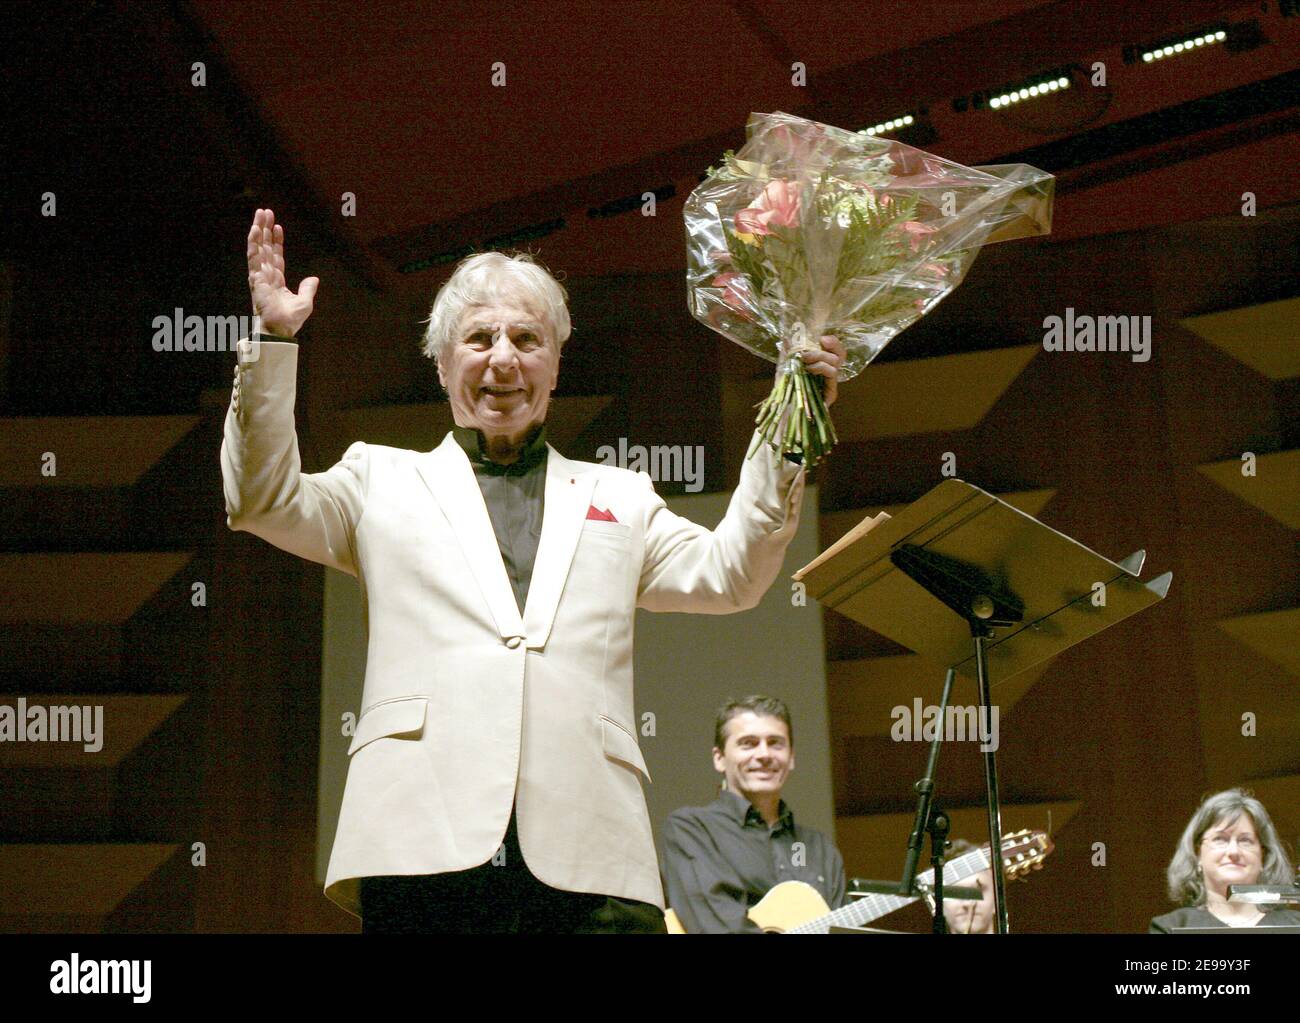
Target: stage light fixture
point(1005, 99)
point(884, 127)
point(1187, 45)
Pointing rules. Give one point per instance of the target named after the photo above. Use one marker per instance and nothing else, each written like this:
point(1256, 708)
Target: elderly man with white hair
point(494, 780)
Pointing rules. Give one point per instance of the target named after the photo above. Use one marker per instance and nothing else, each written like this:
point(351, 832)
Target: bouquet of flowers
point(812, 230)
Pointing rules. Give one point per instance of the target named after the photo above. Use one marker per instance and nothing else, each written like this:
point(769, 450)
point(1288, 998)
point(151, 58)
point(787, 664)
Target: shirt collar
point(742, 811)
point(474, 444)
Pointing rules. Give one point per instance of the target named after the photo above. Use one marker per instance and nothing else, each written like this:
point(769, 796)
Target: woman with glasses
point(1230, 840)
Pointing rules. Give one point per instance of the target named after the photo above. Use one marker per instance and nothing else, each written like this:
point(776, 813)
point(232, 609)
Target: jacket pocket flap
point(403, 718)
point(621, 744)
point(619, 529)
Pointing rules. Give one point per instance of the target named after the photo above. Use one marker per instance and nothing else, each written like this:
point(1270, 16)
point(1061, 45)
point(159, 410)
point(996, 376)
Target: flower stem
point(793, 418)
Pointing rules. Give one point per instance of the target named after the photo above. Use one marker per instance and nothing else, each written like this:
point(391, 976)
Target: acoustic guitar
point(794, 907)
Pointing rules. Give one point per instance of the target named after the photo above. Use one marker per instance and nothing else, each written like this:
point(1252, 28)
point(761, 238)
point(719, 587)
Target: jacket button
point(513, 642)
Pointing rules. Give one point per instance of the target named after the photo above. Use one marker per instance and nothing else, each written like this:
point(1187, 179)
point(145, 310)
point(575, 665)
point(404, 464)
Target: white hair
point(493, 277)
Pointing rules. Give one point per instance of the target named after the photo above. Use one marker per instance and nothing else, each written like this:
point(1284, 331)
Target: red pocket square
point(600, 516)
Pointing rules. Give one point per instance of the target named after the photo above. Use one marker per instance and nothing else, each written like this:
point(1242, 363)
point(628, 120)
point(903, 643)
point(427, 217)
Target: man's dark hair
point(764, 706)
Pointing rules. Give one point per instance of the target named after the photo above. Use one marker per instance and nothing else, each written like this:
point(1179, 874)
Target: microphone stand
point(932, 820)
point(929, 818)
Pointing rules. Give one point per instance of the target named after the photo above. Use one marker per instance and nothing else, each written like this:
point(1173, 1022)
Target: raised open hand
point(279, 310)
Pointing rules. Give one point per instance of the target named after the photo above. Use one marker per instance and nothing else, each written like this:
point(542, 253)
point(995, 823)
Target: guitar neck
point(872, 907)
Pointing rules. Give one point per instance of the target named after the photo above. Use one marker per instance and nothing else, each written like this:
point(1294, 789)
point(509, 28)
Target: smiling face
point(1230, 853)
point(757, 757)
point(499, 370)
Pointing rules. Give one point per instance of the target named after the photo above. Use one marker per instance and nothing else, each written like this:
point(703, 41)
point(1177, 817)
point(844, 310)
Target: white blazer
point(469, 707)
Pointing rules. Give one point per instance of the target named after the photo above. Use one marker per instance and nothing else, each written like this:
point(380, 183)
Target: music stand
point(956, 564)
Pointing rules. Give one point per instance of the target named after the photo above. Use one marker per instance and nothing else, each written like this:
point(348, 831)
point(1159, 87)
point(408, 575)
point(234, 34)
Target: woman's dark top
point(1199, 916)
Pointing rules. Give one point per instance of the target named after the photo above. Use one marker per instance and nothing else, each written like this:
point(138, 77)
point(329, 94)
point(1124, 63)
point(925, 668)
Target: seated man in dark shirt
point(721, 859)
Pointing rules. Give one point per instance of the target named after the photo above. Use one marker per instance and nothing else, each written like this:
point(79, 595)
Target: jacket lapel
point(447, 473)
point(568, 496)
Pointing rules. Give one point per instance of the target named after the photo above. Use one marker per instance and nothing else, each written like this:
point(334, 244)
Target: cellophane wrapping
point(811, 229)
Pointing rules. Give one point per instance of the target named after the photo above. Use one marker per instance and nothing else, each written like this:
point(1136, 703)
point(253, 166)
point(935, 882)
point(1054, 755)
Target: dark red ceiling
point(395, 103)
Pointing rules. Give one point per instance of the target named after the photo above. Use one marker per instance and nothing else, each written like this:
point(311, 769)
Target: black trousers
point(496, 898)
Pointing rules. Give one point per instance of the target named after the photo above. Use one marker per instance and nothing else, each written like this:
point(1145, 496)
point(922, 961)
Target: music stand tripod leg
point(980, 634)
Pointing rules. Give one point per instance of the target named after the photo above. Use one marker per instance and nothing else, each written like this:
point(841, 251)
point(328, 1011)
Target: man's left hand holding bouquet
point(826, 364)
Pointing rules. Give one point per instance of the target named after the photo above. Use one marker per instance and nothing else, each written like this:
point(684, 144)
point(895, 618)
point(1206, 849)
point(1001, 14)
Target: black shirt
point(1199, 916)
point(723, 858)
point(515, 496)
